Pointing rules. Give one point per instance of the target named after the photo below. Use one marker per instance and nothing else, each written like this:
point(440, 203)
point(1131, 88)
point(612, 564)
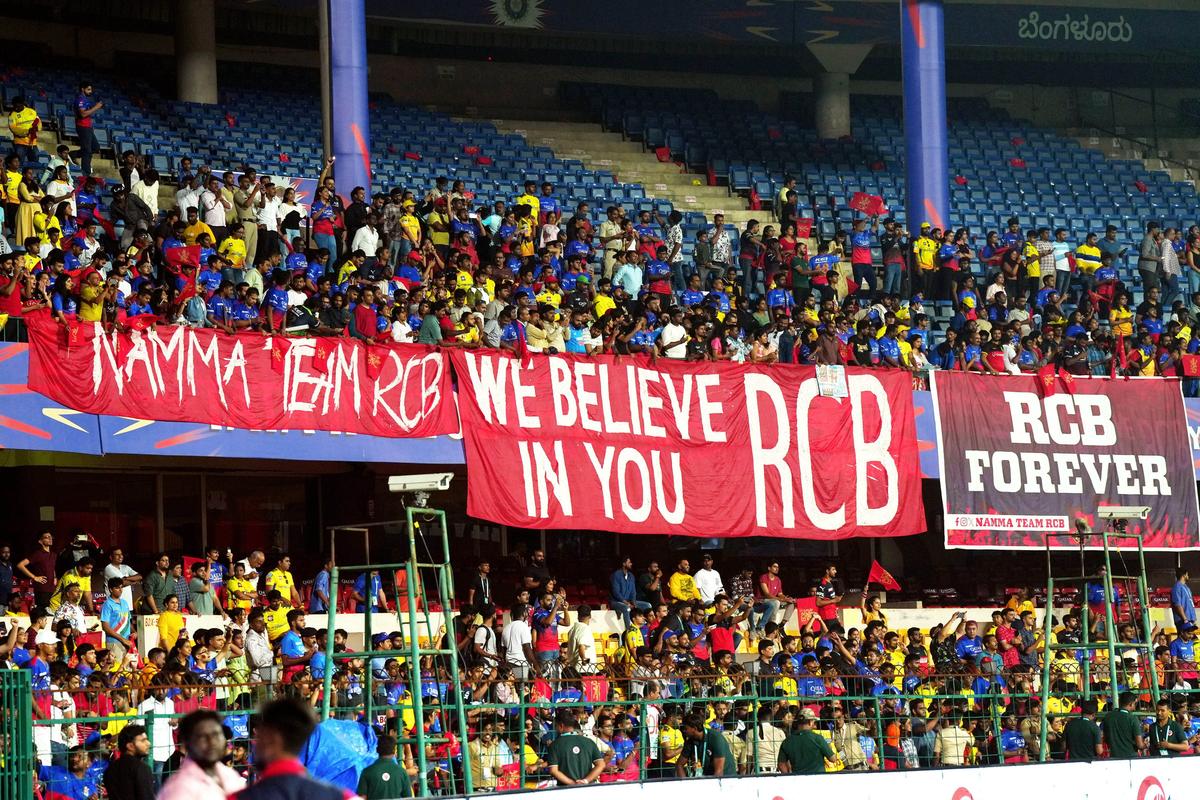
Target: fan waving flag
point(882, 577)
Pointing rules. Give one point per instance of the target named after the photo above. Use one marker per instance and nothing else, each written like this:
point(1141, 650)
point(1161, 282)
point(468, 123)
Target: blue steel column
point(923, 54)
point(348, 84)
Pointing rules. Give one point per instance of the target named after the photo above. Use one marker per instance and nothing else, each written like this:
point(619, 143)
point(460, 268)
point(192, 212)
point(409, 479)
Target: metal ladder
point(442, 575)
point(1110, 644)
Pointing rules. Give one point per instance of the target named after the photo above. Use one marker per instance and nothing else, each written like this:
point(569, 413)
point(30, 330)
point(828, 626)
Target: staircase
point(629, 163)
point(1180, 152)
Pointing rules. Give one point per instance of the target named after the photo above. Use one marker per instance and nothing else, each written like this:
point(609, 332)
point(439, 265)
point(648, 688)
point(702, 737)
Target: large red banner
point(638, 446)
point(1021, 456)
point(246, 380)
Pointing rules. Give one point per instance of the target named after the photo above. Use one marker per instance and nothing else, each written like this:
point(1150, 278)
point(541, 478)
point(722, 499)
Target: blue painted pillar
point(350, 124)
point(923, 54)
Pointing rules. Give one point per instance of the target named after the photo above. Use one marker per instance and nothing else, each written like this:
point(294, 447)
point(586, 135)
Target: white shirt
point(212, 209)
point(187, 198)
point(258, 649)
point(164, 745)
point(708, 584)
point(58, 189)
point(401, 331)
point(485, 637)
point(516, 636)
point(123, 571)
point(288, 208)
point(580, 635)
point(148, 194)
point(366, 239)
point(296, 298)
point(674, 333)
point(268, 212)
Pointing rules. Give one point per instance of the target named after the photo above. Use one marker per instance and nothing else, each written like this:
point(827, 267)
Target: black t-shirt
point(893, 247)
point(1146, 305)
point(539, 575)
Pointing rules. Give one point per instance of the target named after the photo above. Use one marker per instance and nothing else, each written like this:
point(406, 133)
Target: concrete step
point(630, 163)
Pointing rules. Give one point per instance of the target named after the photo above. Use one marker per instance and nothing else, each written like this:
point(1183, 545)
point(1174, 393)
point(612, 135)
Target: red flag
point(1047, 380)
point(279, 349)
point(375, 358)
point(74, 332)
point(804, 226)
point(324, 348)
point(1191, 365)
point(141, 322)
point(861, 201)
point(882, 577)
point(1068, 382)
point(877, 207)
point(470, 149)
point(663, 154)
point(179, 257)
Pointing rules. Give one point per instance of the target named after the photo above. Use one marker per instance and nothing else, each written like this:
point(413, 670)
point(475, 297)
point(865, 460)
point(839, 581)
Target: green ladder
point(442, 575)
point(1110, 643)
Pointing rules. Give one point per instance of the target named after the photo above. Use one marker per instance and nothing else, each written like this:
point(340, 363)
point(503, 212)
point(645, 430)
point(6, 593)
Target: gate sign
point(1018, 461)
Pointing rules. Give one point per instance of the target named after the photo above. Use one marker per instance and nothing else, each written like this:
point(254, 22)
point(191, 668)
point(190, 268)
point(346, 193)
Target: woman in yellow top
point(45, 221)
point(170, 623)
point(233, 249)
point(29, 196)
point(1120, 317)
point(872, 609)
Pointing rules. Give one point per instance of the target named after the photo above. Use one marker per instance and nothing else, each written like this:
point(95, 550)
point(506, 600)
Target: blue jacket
point(623, 586)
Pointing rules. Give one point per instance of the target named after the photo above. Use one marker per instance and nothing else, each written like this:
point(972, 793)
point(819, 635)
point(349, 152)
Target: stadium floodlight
point(1123, 512)
point(426, 482)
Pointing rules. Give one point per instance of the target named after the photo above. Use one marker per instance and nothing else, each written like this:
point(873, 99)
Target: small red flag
point(804, 226)
point(1068, 382)
point(1047, 380)
point(861, 201)
point(1191, 365)
point(324, 348)
point(375, 356)
point(279, 350)
point(179, 257)
point(882, 577)
point(141, 322)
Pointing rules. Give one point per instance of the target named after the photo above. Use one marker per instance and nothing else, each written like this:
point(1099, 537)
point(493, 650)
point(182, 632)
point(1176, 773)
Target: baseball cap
point(808, 715)
point(46, 636)
point(1187, 626)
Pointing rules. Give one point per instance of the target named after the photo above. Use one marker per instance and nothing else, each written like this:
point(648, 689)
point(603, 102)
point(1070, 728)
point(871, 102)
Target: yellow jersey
point(12, 180)
point(192, 232)
point(60, 591)
point(282, 582)
point(669, 739)
point(24, 124)
point(1033, 263)
point(925, 249)
point(535, 205)
point(1087, 258)
point(238, 585)
point(234, 251)
point(602, 305)
point(276, 619)
point(1120, 320)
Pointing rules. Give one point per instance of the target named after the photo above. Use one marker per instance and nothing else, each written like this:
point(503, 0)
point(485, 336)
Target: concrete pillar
point(831, 88)
point(927, 159)
point(196, 51)
point(832, 105)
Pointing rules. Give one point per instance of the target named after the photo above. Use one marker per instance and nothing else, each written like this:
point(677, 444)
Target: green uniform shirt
point(806, 752)
point(1081, 736)
point(712, 746)
point(1121, 730)
point(574, 755)
point(1172, 733)
point(384, 780)
point(430, 331)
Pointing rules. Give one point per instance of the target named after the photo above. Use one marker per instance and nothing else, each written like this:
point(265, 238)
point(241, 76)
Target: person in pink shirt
point(202, 775)
point(770, 599)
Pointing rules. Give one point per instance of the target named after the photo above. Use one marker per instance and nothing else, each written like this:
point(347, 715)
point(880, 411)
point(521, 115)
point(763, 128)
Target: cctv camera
point(1123, 512)
point(428, 482)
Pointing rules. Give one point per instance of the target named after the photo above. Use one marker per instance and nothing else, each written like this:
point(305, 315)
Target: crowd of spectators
point(697, 675)
point(533, 273)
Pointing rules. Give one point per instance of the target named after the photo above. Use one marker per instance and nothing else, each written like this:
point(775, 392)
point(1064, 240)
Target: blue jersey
point(209, 280)
point(692, 297)
point(277, 299)
point(780, 298)
point(242, 312)
point(221, 309)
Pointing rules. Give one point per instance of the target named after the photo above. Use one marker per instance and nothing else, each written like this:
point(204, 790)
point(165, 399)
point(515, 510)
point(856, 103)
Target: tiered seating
point(1060, 184)
point(257, 127)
